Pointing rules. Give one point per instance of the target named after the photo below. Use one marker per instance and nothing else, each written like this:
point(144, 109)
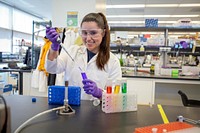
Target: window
point(5, 17)
point(5, 40)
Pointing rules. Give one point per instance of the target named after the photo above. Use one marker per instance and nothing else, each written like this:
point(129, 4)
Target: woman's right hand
point(53, 36)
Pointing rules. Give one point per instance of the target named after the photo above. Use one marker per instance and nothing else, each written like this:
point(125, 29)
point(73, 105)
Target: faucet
point(135, 68)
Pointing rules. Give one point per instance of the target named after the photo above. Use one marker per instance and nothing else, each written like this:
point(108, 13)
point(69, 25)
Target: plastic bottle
point(152, 69)
point(141, 47)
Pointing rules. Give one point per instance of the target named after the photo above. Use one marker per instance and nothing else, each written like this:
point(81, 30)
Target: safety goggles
point(93, 33)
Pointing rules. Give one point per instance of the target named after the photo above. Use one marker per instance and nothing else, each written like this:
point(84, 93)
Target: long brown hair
point(104, 51)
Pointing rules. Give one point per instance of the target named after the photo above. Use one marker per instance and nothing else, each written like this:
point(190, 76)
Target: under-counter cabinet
point(143, 87)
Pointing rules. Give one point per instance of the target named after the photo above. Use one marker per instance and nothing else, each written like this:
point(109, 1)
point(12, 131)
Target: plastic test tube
point(117, 87)
point(124, 86)
point(83, 74)
point(96, 101)
point(109, 87)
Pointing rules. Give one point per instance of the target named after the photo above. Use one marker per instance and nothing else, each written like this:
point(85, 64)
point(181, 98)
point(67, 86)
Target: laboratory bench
point(88, 118)
point(148, 75)
point(153, 89)
point(21, 78)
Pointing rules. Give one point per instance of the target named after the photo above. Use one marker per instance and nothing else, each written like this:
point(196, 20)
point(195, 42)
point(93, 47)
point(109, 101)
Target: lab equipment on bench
point(57, 95)
point(179, 126)
point(118, 100)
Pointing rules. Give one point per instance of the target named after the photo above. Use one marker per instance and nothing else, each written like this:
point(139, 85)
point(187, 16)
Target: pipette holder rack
point(56, 95)
point(74, 95)
point(123, 102)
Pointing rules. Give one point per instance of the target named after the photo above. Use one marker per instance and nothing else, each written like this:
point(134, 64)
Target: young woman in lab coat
point(93, 57)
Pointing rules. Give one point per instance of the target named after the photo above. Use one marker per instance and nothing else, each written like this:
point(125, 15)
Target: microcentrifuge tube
point(109, 89)
point(117, 88)
point(83, 74)
point(180, 118)
point(124, 87)
point(154, 130)
point(96, 102)
point(164, 130)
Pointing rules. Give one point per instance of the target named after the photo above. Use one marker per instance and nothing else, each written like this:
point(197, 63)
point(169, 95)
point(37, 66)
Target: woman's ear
point(104, 32)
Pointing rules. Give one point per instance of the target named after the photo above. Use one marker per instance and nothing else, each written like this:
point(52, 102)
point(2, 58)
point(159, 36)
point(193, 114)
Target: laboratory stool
point(188, 102)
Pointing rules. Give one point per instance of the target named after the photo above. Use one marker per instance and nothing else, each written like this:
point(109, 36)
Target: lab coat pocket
point(35, 79)
point(42, 82)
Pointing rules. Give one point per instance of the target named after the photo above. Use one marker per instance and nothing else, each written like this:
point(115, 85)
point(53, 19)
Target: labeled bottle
point(142, 47)
point(152, 69)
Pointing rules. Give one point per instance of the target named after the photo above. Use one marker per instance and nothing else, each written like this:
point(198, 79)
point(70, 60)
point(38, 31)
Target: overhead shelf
point(170, 29)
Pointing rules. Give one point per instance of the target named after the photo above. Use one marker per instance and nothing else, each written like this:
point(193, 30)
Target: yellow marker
point(163, 115)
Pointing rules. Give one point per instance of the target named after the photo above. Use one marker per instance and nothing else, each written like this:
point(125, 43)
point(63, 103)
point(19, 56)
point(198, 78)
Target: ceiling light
point(189, 5)
point(149, 16)
point(152, 5)
point(162, 5)
point(126, 6)
point(138, 22)
point(132, 22)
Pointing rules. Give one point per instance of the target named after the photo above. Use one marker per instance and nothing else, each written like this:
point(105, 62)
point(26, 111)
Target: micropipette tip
point(80, 69)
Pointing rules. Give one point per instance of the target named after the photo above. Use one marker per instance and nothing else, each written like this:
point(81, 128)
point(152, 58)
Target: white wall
point(83, 7)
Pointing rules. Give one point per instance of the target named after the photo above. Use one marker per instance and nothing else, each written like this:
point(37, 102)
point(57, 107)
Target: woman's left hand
point(90, 87)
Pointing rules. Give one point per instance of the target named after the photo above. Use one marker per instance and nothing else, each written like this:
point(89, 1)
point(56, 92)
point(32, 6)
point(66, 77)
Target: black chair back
point(184, 98)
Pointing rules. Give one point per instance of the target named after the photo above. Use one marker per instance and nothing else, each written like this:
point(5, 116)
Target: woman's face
point(92, 36)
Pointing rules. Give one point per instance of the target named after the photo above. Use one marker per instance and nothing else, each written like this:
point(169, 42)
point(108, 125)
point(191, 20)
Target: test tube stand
point(119, 102)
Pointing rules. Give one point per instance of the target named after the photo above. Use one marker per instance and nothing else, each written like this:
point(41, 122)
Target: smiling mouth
point(90, 43)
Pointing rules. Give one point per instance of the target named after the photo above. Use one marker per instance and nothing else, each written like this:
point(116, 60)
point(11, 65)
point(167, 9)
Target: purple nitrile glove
point(90, 87)
point(53, 35)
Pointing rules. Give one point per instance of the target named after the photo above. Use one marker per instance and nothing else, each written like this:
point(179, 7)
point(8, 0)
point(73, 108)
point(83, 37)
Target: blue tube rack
point(56, 95)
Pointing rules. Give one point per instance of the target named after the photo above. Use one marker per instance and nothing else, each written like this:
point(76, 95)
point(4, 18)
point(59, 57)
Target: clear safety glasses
point(93, 33)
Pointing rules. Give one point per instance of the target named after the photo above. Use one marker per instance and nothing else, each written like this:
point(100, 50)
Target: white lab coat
point(79, 53)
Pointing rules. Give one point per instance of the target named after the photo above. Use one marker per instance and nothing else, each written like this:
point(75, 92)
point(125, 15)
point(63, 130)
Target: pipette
point(61, 44)
point(83, 74)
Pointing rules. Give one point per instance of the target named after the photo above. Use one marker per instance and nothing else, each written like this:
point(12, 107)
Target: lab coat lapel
point(84, 58)
point(92, 61)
